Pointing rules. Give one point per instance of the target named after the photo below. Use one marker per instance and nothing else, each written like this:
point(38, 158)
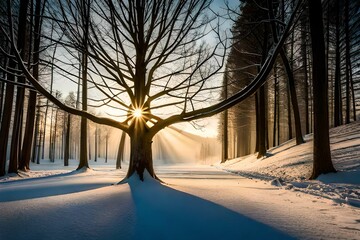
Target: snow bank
point(289, 166)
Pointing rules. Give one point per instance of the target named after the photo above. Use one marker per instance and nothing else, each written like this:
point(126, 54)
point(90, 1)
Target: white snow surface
point(289, 166)
point(266, 199)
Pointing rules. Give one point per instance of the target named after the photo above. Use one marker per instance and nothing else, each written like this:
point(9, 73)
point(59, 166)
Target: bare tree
point(149, 59)
point(322, 156)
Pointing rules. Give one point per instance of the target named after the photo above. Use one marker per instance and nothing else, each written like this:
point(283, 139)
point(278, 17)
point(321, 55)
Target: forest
point(106, 104)
point(64, 40)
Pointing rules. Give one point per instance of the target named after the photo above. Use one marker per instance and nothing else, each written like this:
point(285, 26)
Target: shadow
point(342, 177)
point(40, 178)
point(135, 210)
point(166, 213)
point(34, 190)
point(46, 186)
point(104, 213)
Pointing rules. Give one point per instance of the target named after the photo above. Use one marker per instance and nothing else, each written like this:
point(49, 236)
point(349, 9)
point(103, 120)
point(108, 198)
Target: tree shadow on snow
point(46, 186)
point(165, 213)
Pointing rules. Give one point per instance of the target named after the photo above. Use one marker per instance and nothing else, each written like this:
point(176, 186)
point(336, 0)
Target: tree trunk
point(40, 144)
point(294, 103)
point(225, 139)
point(291, 82)
point(36, 135)
point(120, 155)
point(322, 157)
point(347, 60)
point(24, 163)
point(275, 104)
point(89, 144)
point(338, 117)
point(262, 112)
point(84, 66)
point(5, 123)
point(67, 141)
point(257, 121)
point(106, 147)
point(305, 67)
point(20, 94)
point(141, 158)
point(96, 144)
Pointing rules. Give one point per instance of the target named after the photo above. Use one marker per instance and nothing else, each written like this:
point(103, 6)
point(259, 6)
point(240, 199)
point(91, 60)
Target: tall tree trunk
point(225, 136)
point(35, 146)
point(24, 163)
point(257, 121)
point(51, 131)
point(5, 123)
point(106, 147)
point(275, 103)
point(305, 69)
point(262, 112)
point(322, 157)
point(338, 117)
point(20, 93)
point(352, 93)
point(349, 80)
point(290, 81)
point(120, 155)
point(84, 163)
point(67, 141)
point(96, 143)
point(41, 137)
point(347, 60)
point(54, 136)
point(89, 144)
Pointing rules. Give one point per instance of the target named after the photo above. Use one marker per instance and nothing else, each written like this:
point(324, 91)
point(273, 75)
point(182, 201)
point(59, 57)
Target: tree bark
point(322, 157)
point(225, 136)
point(291, 83)
point(338, 117)
point(35, 147)
point(84, 66)
point(120, 155)
point(96, 144)
point(20, 94)
point(141, 151)
point(262, 127)
point(106, 147)
point(5, 123)
point(347, 61)
point(257, 119)
point(67, 141)
point(275, 104)
point(24, 163)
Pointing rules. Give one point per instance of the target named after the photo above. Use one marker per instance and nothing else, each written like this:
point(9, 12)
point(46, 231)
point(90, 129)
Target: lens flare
point(137, 113)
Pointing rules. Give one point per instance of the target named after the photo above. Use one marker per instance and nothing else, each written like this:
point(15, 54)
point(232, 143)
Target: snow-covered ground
point(197, 202)
point(265, 199)
point(289, 166)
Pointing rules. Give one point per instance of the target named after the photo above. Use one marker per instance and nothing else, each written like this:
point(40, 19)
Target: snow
point(252, 199)
point(289, 166)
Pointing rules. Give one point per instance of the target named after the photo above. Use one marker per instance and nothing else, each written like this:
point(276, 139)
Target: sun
point(137, 113)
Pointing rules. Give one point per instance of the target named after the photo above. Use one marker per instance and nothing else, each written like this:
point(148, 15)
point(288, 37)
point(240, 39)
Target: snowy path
point(298, 214)
point(198, 202)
